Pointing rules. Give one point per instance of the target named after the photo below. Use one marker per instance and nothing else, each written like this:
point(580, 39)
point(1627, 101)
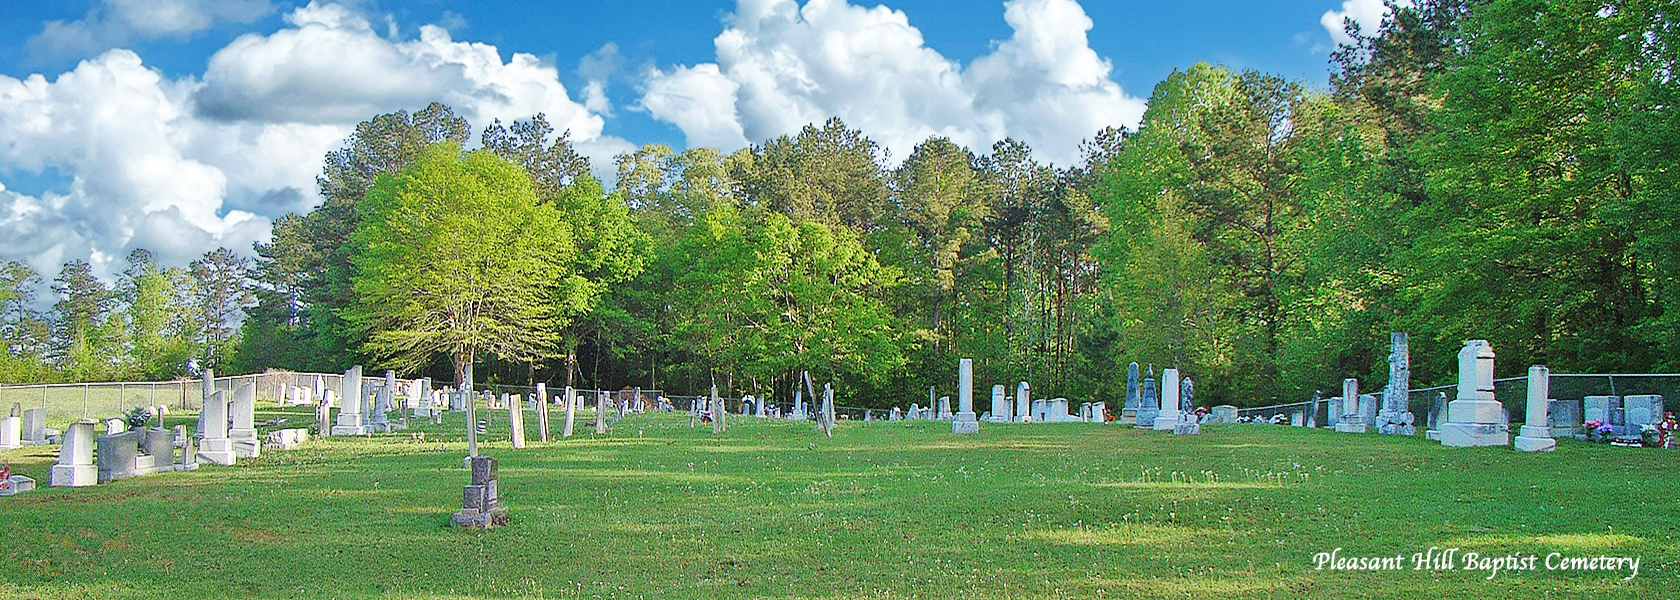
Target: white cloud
point(332, 67)
point(113, 23)
point(781, 66)
point(119, 129)
point(1367, 13)
point(180, 167)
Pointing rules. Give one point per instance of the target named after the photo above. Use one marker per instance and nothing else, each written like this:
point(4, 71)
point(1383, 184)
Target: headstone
point(1642, 410)
point(115, 426)
point(1186, 396)
point(571, 411)
point(516, 422)
point(11, 432)
point(189, 449)
point(242, 416)
point(480, 505)
point(1000, 405)
point(1352, 418)
point(209, 386)
point(1564, 417)
point(1475, 418)
point(828, 410)
point(287, 439)
point(1167, 418)
point(1223, 413)
point(323, 417)
point(16, 484)
point(350, 420)
point(117, 455)
point(1148, 404)
point(1297, 419)
point(1437, 417)
point(157, 451)
point(75, 466)
point(964, 421)
point(601, 413)
point(1396, 418)
point(216, 447)
point(895, 415)
point(1040, 411)
point(915, 412)
point(542, 412)
point(1312, 409)
point(1333, 412)
point(1536, 434)
point(1023, 400)
point(1368, 408)
point(1597, 408)
point(1129, 412)
point(944, 409)
point(35, 426)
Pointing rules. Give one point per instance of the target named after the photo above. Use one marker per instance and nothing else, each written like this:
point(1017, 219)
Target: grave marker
point(1536, 433)
point(1475, 418)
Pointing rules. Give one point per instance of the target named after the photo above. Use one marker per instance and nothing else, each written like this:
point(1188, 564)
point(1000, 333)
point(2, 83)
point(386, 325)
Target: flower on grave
point(139, 417)
point(1604, 430)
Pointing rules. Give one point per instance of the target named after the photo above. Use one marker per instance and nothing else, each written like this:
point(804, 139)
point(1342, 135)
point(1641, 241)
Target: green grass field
point(882, 510)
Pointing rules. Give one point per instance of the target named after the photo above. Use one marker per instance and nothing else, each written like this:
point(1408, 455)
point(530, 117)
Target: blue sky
point(182, 125)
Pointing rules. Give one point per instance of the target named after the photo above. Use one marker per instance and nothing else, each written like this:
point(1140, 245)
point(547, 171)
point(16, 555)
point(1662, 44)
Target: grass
point(882, 510)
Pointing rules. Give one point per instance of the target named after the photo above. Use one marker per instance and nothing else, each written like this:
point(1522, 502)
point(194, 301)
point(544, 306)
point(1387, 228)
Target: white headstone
point(1475, 418)
point(1023, 403)
point(350, 420)
point(1167, 418)
point(1536, 435)
point(75, 466)
point(242, 418)
point(216, 447)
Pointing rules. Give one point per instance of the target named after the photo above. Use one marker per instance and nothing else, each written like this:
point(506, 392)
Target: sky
point(180, 126)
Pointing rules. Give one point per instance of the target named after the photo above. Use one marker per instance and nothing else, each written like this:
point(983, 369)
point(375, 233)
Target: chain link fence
point(1512, 392)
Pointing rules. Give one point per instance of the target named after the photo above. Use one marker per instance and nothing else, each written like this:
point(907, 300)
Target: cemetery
point(355, 484)
point(1040, 305)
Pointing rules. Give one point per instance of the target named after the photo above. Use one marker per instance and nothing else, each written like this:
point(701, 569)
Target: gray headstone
point(1149, 405)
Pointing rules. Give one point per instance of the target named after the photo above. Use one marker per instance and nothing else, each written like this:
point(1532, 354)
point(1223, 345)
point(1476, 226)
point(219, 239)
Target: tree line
point(1495, 169)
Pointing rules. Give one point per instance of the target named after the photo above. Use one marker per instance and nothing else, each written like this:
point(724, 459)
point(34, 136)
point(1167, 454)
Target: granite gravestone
point(1536, 434)
point(964, 421)
point(481, 506)
point(75, 466)
point(1129, 412)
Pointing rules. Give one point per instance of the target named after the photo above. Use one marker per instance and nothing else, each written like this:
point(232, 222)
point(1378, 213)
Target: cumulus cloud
point(781, 66)
point(118, 128)
point(183, 166)
point(113, 23)
point(1367, 13)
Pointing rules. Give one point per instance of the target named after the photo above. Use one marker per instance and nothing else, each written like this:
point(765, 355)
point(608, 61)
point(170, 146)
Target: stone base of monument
point(1188, 428)
point(73, 476)
point(965, 423)
point(1467, 435)
point(1166, 421)
point(1433, 435)
point(349, 430)
point(1346, 426)
point(1535, 439)
point(218, 451)
point(1128, 416)
point(245, 444)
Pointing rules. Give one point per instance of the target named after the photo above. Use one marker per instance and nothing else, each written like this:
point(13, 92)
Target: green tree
point(455, 255)
point(23, 331)
point(160, 317)
point(223, 292)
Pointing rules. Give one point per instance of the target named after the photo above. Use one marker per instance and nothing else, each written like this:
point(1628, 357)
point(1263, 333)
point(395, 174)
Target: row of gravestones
point(1475, 417)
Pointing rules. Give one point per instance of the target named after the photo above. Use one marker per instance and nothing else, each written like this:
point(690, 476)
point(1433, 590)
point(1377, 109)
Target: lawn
point(882, 510)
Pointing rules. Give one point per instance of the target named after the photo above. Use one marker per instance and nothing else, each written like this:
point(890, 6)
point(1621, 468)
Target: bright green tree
point(455, 255)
